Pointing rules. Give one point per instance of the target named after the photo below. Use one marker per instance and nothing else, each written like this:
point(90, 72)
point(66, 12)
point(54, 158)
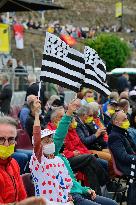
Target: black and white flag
point(62, 64)
point(95, 72)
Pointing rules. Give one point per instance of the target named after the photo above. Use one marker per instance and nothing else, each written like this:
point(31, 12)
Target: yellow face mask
point(74, 125)
point(6, 152)
point(89, 100)
point(125, 125)
point(89, 120)
point(111, 111)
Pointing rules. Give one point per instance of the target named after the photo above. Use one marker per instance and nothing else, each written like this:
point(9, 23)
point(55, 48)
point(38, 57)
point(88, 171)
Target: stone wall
point(34, 45)
point(93, 12)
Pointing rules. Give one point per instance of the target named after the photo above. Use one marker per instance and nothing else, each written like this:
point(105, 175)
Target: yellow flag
point(118, 9)
point(4, 38)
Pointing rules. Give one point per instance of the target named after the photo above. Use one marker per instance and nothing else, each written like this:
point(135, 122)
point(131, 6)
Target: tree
point(113, 51)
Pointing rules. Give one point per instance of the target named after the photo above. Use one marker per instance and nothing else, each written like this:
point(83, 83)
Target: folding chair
point(23, 140)
point(120, 176)
point(29, 186)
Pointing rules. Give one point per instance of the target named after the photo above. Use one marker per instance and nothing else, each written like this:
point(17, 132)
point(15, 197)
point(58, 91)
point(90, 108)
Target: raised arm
point(37, 131)
point(62, 129)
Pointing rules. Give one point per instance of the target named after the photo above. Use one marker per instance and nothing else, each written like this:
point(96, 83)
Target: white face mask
point(49, 148)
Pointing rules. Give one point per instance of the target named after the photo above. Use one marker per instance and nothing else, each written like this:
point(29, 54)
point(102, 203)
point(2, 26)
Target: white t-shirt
point(51, 178)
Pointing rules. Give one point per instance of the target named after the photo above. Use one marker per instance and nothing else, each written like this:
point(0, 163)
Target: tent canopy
point(27, 5)
point(123, 70)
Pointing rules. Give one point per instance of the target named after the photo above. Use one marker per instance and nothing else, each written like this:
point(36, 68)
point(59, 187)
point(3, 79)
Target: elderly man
point(53, 177)
point(120, 143)
point(55, 118)
point(85, 117)
point(11, 186)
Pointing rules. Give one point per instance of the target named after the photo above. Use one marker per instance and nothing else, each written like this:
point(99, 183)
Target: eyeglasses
point(11, 140)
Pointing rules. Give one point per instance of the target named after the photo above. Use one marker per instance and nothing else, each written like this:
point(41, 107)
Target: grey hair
point(8, 120)
point(94, 106)
point(83, 110)
point(5, 77)
point(30, 98)
point(55, 112)
point(32, 78)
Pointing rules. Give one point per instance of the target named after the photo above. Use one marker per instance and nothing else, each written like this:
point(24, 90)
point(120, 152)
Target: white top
point(51, 178)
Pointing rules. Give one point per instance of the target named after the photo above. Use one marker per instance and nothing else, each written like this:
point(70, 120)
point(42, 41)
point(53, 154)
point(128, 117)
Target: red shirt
point(72, 143)
point(11, 184)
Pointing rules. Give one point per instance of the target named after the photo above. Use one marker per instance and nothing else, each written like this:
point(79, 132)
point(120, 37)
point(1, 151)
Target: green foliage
point(114, 51)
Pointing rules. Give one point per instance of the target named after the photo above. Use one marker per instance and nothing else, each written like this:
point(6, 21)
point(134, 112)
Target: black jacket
point(122, 148)
point(5, 99)
point(82, 131)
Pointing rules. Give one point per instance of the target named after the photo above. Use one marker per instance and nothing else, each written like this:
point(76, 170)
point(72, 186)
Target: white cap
point(44, 133)
point(47, 132)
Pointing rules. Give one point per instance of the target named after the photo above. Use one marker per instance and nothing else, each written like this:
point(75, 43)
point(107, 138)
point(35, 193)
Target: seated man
point(90, 139)
point(55, 117)
point(120, 143)
point(11, 188)
point(53, 177)
point(125, 106)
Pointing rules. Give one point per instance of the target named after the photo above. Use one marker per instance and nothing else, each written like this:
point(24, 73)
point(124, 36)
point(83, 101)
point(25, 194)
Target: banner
point(118, 12)
point(4, 38)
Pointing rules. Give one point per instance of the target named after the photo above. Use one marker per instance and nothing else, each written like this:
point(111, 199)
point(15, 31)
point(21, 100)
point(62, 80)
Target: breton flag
point(62, 64)
point(95, 72)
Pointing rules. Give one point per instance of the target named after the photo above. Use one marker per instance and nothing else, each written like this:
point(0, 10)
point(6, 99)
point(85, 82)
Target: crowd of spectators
point(57, 28)
point(87, 135)
point(67, 142)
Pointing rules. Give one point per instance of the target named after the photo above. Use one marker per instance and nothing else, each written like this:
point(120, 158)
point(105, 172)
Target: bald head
point(118, 118)
point(124, 105)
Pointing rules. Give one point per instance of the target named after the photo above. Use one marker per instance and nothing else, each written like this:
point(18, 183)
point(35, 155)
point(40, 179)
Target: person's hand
point(70, 198)
point(32, 201)
point(76, 153)
point(103, 131)
point(92, 194)
point(73, 106)
point(37, 105)
point(100, 131)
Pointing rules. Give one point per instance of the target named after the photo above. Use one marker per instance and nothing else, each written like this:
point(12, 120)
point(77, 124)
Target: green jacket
point(59, 137)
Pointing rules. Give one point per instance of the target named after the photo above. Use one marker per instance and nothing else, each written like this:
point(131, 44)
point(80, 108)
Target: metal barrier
point(18, 79)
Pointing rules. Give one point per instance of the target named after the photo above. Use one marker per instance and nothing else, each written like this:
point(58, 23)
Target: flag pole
point(40, 83)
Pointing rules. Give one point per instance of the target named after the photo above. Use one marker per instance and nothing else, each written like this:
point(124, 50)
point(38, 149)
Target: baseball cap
point(46, 132)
